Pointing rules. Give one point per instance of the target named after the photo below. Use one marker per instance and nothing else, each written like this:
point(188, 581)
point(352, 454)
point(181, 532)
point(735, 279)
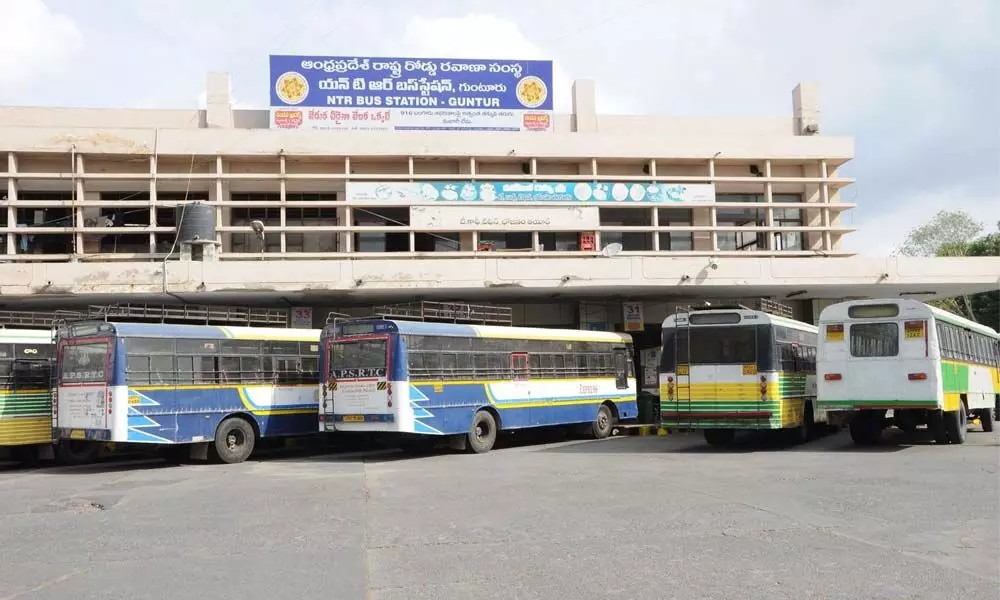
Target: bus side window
point(519, 366)
point(208, 369)
point(310, 367)
point(185, 370)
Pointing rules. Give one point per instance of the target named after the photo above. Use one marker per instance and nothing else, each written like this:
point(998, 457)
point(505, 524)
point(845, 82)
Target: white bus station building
point(589, 219)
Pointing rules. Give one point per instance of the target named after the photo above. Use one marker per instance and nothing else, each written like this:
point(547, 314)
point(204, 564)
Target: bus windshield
point(874, 340)
point(710, 346)
point(360, 354)
point(84, 363)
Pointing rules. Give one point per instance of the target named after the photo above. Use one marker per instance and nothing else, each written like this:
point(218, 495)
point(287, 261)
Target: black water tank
point(195, 223)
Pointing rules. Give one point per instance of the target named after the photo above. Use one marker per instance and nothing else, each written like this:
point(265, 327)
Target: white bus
point(924, 364)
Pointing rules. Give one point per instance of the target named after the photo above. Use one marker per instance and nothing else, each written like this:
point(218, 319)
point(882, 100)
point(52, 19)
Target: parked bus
point(471, 381)
point(924, 364)
point(723, 370)
point(26, 392)
point(221, 388)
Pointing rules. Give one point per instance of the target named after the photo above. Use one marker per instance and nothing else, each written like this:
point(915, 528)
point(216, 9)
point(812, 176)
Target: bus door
point(82, 400)
point(682, 374)
point(621, 368)
point(359, 386)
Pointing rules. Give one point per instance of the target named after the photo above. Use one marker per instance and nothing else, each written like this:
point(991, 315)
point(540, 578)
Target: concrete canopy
point(358, 280)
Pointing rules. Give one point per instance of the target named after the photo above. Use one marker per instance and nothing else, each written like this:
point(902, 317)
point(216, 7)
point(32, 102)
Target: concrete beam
point(796, 278)
point(268, 142)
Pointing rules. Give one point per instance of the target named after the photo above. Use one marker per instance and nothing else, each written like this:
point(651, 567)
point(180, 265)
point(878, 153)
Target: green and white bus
point(924, 364)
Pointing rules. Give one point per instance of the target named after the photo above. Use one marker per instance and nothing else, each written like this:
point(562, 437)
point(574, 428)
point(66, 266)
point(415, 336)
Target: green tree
point(946, 234)
point(954, 233)
point(986, 306)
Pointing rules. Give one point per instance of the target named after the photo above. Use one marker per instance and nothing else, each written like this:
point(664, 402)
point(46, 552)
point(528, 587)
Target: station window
point(677, 241)
point(559, 241)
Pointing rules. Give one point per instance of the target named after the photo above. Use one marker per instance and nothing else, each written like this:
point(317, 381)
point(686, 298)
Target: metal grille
point(151, 313)
point(765, 305)
point(440, 312)
point(447, 312)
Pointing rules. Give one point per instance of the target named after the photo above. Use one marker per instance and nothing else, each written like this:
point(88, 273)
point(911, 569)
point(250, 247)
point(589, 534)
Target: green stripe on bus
point(827, 404)
point(954, 377)
point(25, 404)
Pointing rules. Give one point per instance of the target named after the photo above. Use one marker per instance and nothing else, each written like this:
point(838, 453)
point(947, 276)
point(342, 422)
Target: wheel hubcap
point(234, 440)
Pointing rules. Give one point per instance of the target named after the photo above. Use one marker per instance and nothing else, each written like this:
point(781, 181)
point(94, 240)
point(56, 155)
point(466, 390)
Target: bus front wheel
point(234, 440)
point(483, 433)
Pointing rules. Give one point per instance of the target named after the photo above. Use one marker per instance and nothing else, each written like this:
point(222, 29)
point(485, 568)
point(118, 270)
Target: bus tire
point(986, 419)
point(77, 452)
point(805, 432)
point(866, 428)
point(603, 424)
point(956, 424)
point(483, 433)
point(720, 437)
point(234, 440)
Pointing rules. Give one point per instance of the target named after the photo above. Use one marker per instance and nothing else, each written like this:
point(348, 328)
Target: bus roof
point(915, 308)
point(126, 330)
point(491, 331)
point(25, 336)
point(760, 318)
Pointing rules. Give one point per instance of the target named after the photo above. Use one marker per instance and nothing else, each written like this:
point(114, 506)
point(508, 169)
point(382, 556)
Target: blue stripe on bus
point(170, 416)
point(450, 409)
point(444, 329)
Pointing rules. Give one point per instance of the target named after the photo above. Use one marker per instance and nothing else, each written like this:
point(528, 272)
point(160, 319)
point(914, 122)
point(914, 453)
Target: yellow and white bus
point(728, 369)
point(924, 364)
point(26, 392)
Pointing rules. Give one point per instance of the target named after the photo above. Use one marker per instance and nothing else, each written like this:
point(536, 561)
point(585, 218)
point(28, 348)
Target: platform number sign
point(302, 317)
point(632, 316)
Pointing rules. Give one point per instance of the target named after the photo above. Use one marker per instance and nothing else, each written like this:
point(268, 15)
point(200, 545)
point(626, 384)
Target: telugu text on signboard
point(410, 94)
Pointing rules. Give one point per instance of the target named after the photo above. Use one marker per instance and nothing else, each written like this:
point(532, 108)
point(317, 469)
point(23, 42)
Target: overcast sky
point(915, 82)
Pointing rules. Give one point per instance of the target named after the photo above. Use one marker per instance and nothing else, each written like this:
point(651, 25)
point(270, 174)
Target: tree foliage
point(954, 233)
point(947, 234)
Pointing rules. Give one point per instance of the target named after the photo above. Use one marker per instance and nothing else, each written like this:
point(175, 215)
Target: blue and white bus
point(222, 387)
point(471, 381)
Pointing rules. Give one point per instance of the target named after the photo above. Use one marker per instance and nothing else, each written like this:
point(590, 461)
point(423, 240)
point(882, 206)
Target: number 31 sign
point(632, 316)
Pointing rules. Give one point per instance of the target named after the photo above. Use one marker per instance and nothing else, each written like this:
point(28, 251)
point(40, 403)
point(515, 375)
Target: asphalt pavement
point(631, 518)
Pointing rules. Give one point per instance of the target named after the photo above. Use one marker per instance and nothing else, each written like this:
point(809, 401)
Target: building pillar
point(584, 106)
point(10, 247)
point(467, 240)
point(702, 240)
point(218, 101)
point(812, 217)
point(805, 106)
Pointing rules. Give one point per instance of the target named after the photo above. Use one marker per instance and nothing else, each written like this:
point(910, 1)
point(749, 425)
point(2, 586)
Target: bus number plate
point(354, 418)
point(77, 434)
